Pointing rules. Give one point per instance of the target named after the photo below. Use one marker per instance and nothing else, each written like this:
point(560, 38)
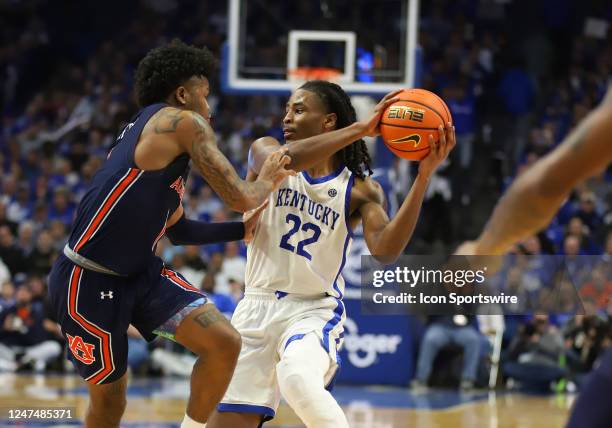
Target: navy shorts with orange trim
point(95, 310)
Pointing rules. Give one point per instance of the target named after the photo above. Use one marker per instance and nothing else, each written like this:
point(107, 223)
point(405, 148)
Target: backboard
point(368, 46)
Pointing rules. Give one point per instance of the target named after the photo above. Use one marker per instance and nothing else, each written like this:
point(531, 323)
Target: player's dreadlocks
point(167, 67)
point(355, 156)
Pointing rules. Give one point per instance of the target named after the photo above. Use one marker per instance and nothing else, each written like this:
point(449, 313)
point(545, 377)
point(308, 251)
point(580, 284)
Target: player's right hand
point(373, 122)
point(274, 168)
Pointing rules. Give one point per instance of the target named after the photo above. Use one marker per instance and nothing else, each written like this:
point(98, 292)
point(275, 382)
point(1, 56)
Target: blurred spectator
point(234, 264)
point(179, 264)
point(10, 253)
point(7, 294)
point(23, 337)
point(4, 221)
point(443, 331)
point(193, 259)
point(599, 288)
point(577, 228)
point(59, 234)
point(223, 302)
point(20, 208)
point(61, 207)
point(584, 338)
point(517, 92)
point(577, 265)
point(463, 110)
point(587, 211)
point(207, 203)
point(533, 358)
point(25, 239)
point(42, 257)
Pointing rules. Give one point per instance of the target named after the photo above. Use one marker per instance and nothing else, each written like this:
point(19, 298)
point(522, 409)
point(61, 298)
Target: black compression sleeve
point(192, 232)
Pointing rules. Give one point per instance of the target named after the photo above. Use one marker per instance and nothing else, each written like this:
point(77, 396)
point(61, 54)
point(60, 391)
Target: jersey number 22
point(297, 222)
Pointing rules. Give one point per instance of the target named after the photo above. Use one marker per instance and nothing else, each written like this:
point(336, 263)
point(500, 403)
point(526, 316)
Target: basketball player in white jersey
point(291, 318)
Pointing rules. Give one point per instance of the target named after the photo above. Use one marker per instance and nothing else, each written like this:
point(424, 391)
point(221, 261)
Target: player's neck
point(323, 168)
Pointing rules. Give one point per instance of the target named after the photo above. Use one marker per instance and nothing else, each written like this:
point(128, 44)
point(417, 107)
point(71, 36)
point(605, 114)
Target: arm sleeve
point(192, 232)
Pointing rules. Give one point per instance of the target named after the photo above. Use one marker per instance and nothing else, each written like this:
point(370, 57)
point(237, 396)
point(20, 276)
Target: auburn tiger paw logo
point(82, 351)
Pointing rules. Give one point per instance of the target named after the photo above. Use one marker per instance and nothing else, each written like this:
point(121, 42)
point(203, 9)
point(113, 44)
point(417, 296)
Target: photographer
point(533, 358)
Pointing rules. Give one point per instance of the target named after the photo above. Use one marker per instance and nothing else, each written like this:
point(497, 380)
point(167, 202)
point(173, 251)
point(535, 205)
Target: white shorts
point(268, 321)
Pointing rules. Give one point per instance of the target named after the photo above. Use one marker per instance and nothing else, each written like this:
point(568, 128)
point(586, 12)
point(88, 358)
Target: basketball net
point(302, 74)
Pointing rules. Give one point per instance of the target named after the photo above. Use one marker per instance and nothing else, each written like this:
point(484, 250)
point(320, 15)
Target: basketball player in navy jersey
point(530, 204)
point(292, 316)
point(109, 277)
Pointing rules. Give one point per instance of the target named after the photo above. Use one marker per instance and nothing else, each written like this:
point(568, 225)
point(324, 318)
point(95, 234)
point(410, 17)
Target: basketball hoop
point(302, 74)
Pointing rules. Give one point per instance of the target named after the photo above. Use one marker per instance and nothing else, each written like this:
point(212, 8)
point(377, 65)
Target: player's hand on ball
point(274, 168)
point(372, 124)
point(439, 149)
point(250, 219)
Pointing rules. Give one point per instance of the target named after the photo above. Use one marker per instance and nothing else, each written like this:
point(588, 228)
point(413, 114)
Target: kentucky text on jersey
point(293, 198)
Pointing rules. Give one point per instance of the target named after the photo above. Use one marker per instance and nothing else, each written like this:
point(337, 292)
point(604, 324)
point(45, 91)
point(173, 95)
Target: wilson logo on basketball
point(401, 112)
point(82, 351)
point(414, 137)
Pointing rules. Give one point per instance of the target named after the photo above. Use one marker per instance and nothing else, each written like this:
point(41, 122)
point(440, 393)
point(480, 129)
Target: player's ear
point(330, 121)
point(181, 95)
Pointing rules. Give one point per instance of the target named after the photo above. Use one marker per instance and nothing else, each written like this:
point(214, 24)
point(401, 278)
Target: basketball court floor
point(160, 403)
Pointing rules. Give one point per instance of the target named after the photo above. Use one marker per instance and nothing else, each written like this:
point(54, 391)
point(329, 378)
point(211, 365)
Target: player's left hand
point(372, 124)
point(250, 219)
point(439, 149)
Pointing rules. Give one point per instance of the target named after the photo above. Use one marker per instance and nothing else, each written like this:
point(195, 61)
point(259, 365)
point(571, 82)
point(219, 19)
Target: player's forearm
point(397, 233)
point(521, 212)
point(192, 232)
point(311, 151)
point(238, 194)
point(255, 193)
point(308, 152)
point(534, 198)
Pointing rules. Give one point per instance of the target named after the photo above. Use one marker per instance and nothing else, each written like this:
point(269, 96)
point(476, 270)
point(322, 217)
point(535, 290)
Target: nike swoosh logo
point(414, 137)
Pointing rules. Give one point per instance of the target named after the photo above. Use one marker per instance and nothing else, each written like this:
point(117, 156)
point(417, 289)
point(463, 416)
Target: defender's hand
point(250, 219)
point(273, 169)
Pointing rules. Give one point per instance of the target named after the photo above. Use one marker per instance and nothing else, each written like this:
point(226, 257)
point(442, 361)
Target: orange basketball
point(406, 124)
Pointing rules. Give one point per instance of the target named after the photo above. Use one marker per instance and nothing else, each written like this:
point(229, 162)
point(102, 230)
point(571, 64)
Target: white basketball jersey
point(303, 238)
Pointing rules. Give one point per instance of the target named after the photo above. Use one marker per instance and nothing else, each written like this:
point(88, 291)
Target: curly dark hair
point(167, 67)
point(355, 156)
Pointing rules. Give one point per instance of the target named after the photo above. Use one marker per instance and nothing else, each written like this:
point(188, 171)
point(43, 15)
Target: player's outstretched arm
point(535, 197)
point(386, 239)
point(182, 231)
point(311, 151)
point(198, 139)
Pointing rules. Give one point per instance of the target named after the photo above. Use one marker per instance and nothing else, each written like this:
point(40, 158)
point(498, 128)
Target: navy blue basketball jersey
point(123, 214)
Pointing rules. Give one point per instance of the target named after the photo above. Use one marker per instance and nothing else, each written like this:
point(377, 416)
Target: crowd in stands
point(66, 92)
